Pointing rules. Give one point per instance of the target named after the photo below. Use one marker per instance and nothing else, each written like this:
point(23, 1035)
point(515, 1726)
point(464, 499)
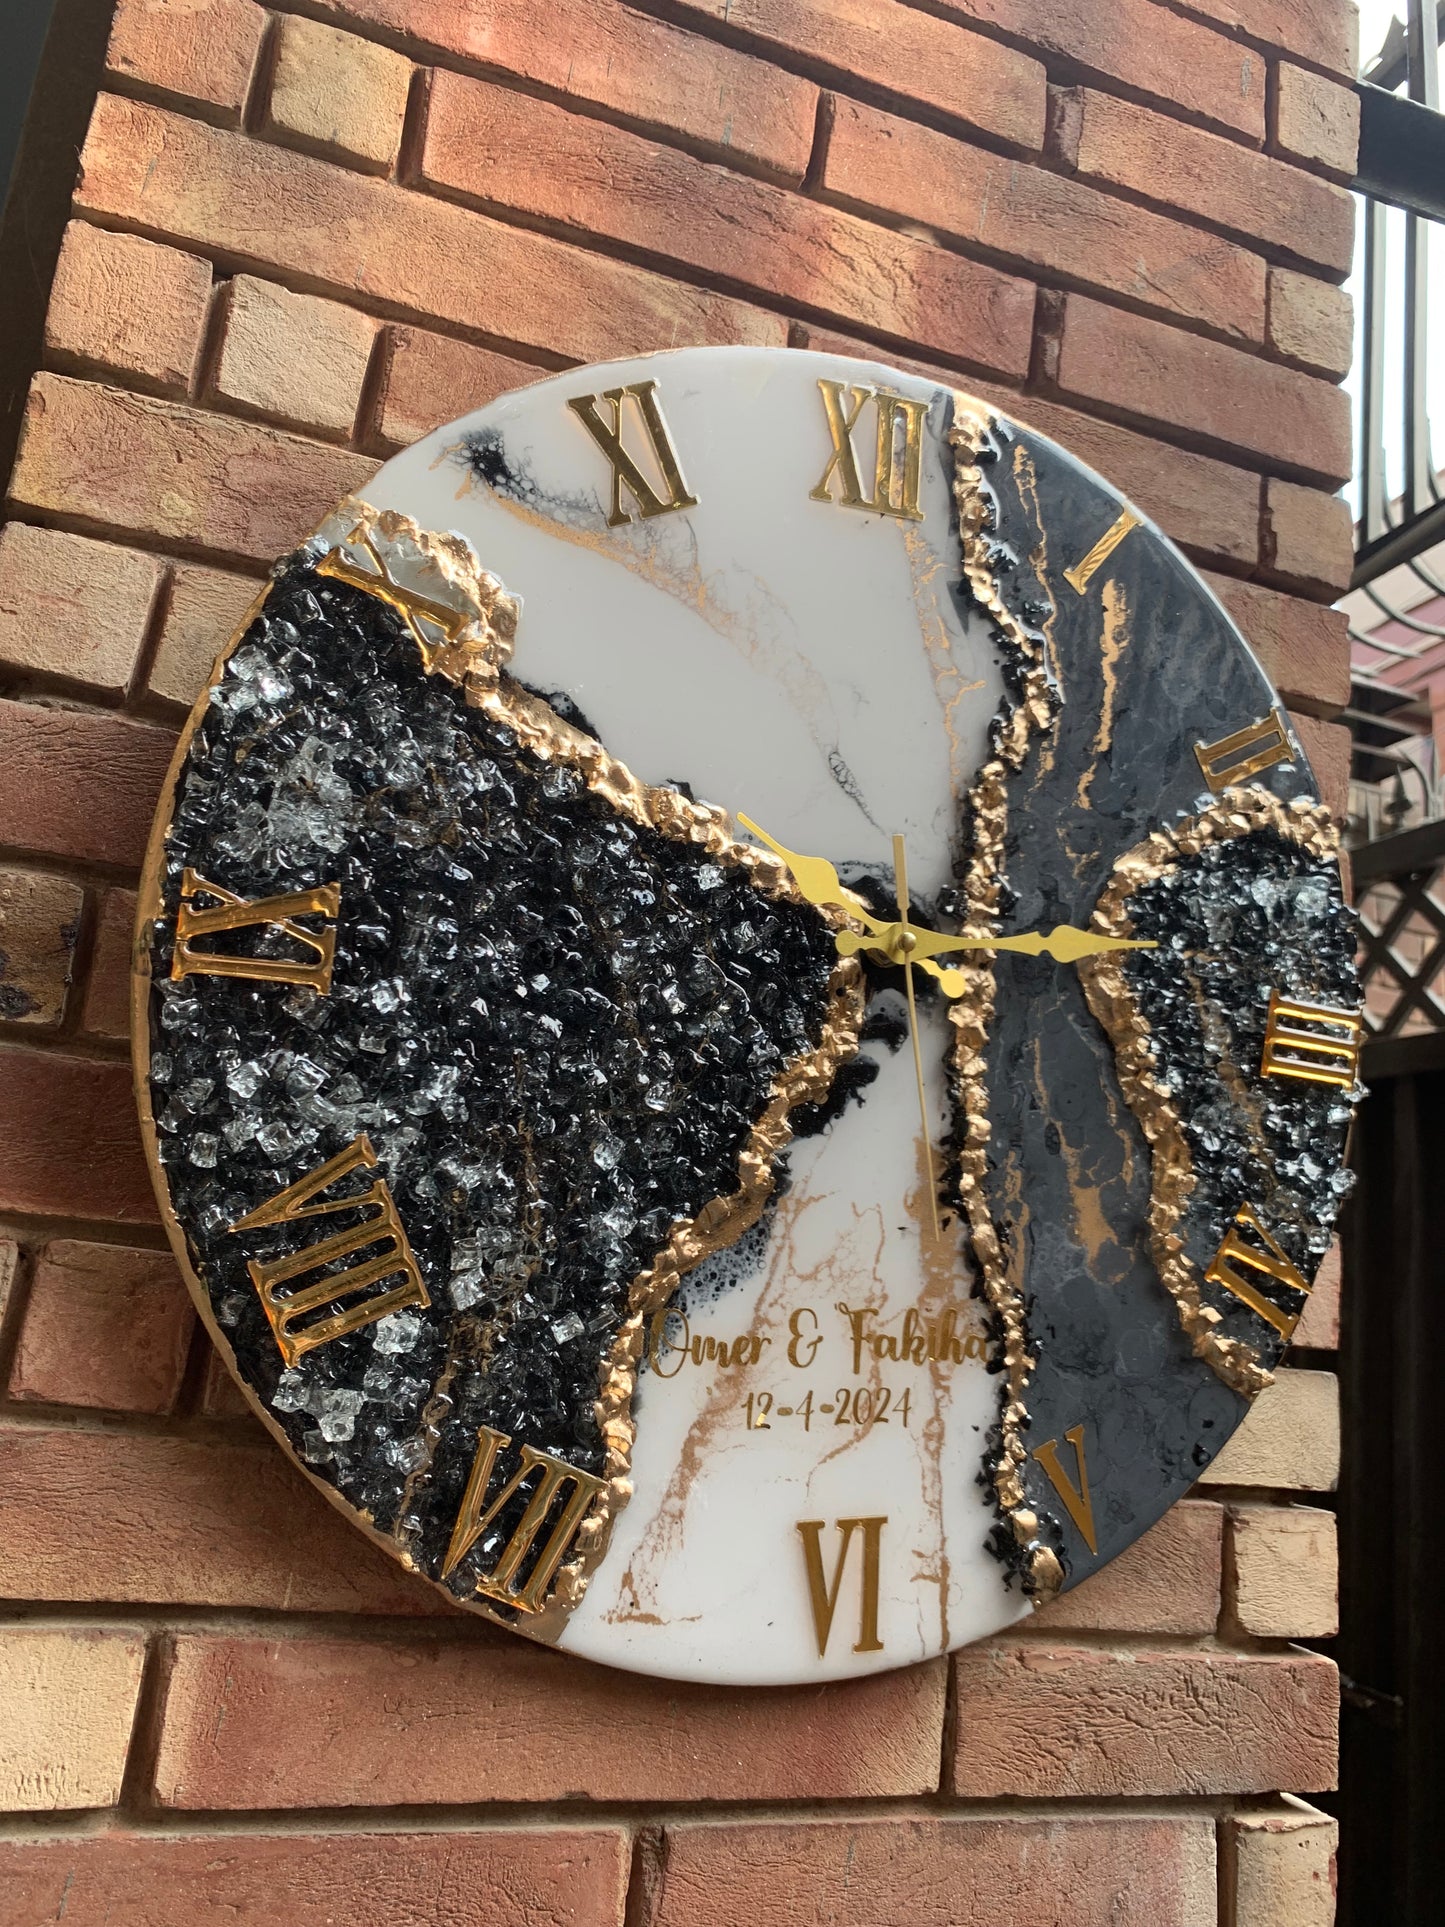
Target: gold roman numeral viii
point(1246, 752)
point(625, 471)
point(823, 1593)
point(1311, 1041)
point(897, 451)
point(1078, 1502)
point(235, 913)
point(556, 1506)
point(1241, 1265)
point(287, 1301)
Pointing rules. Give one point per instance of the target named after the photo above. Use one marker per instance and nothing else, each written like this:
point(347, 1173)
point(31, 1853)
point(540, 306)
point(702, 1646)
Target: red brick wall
point(303, 235)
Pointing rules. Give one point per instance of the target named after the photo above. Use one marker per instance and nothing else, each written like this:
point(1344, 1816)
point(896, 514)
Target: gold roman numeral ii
point(536, 1544)
point(823, 1593)
point(236, 913)
point(381, 1233)
point(625, 471)
point(1245, 753)
point(1237, 1255)
point(1078, 1502)
point(1311, 1041)
point(897, 455)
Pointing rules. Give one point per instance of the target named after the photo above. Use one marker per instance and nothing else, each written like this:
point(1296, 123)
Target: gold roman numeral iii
point(1078, 1502)
point(823, 1593)
point(1238, 1255)
point(1082, 573)
point(625, 471)
point(381, 1233)
point(1245, 753)
point(433, 625)
point(536, 1545)
point(235, 913)
point(1311, 1041)
point(897, 455)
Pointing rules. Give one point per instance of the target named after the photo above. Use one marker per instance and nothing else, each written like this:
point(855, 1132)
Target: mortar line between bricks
point(1241, 36)
point(138, 1773)
point(12, 1312)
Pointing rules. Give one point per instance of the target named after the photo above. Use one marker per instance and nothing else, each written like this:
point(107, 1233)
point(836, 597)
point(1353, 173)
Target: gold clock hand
point(817, 879)
point(1065, 943)
point(902, 947)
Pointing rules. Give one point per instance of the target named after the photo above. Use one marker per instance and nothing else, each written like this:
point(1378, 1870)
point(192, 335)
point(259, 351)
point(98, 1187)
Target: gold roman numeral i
point(1311, 1041)
point(381, 1233)
point(1237, 1255)
point(1078, 1501)
point(823, 1593)
point(539, 1543)
point(231, 912)
point(897, 452)
point(1083, 572)
point(625, 471)
point(1245, 753)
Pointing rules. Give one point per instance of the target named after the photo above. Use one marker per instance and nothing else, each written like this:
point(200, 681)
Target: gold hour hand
point(817, 879)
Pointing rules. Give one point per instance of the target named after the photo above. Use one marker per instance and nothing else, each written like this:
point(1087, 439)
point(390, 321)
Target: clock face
point(546, 1145)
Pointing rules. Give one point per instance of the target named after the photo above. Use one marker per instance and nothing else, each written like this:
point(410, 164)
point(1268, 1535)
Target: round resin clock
point(744, 1018)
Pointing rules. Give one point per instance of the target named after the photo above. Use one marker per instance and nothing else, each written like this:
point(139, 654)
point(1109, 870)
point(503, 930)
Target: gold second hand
point(905, 941)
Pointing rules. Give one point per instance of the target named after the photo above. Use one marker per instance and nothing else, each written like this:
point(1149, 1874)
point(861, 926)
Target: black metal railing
point(1399, 884)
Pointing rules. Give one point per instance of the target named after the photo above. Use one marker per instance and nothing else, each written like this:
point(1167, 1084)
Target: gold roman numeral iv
point(1238, 1255)
point(1311, 1041)
point(1079, 577)
point(823, 1593)
point(535, 1544)
point(1245, 753)
point(625, 471)
point(381, 1233)
point(1078, 1502)
point(897, 451)
point(236, 913)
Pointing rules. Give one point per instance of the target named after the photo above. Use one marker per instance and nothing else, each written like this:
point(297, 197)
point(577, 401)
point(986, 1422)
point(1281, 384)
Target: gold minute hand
point(904, 947)
point(1065, 943)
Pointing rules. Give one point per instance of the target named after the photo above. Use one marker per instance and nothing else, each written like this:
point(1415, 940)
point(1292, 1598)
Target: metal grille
point(1400, 896)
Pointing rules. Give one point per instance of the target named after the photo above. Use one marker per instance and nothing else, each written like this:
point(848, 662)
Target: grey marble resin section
point(1070, 1169)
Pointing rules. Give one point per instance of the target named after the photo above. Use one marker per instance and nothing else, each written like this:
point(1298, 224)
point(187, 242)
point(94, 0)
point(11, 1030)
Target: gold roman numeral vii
point(1078, 1502)
point(897, 452)
point(625, 471)
point(1245, 753)
point(235, 913)
point(1311, 1041)
point(1238, 1255)
point(539, 1543)
point(380, 1233)
point(823, 1593)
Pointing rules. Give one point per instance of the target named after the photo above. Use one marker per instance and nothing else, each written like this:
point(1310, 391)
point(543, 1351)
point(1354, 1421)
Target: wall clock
point(743, 1015)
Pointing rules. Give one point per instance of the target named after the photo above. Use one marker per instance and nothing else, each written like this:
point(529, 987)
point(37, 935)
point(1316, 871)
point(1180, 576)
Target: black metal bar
point(1395, 546)
point(1402, 152)
point(1373, 518)
point(1400, 855)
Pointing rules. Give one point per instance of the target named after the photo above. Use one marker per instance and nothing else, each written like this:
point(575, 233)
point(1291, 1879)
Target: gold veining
point(1238, 812)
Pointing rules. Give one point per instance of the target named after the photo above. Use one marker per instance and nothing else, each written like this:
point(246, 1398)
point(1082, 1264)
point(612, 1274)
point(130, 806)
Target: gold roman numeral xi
point(625, 471)
point(381, 1233)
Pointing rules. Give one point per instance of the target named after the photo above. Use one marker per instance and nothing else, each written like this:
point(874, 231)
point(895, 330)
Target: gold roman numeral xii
point(528, 1562)
point(1311, 1041)
point(231, 912)
point(380, 1233)
point(625, 471)
point(897, 455)
point(823, 1593)
point(1238, 1256)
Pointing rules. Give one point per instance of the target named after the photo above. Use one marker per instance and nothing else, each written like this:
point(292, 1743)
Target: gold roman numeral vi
point(1311, 1041)
point(1078, 1502)
point(1265, 1260)
point(381, 1233)
point(1245, 753)
point(823, 1593)
point(536, 1544)
point(625, 471)
point(897, 455)
point(236, 913)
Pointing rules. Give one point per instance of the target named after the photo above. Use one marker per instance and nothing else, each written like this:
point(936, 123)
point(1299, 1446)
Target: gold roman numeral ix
point(236, 913)
point(625, 471)
point(535, 1544)
point(823, 1594)
point(1266, 1262)
point(897, 457)
point(382, 1233)
point(1245, 753)
point(1079, 577)
point(432, 624)
point(1078, 1502)
point(1304, 1040)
